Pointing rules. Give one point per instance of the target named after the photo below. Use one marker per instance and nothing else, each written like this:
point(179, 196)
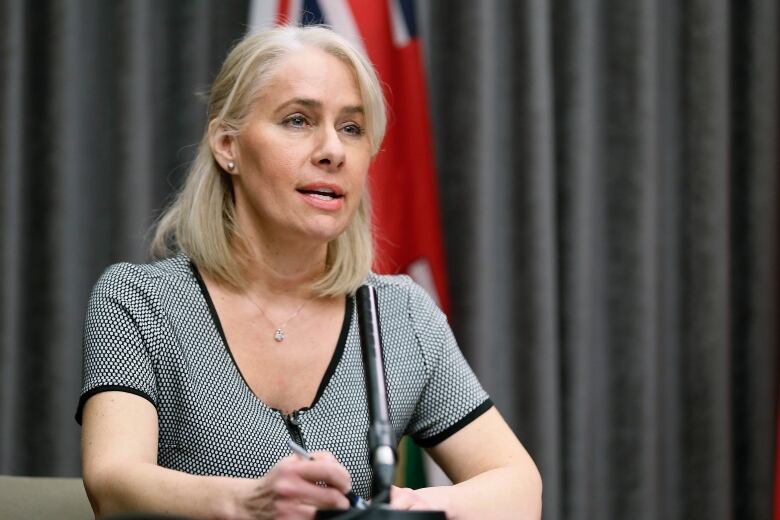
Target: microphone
point(381, 439)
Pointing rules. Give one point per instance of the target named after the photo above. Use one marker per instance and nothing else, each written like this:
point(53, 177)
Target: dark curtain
point(609, 181)
point(100, 112)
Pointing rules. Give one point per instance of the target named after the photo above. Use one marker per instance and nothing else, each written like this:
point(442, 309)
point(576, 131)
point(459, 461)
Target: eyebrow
point(317, 105)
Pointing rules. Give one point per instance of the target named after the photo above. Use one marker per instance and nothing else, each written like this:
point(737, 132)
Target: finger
point(324, 455)
point(328, 457)
point(402, 498)
point(325, 497)
point(297, 489)
point(420, 506)
point(295, 511)
point(397, 492)
point(330, 472)
point(306, 511)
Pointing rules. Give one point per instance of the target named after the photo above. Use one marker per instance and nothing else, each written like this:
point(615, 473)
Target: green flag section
point(411, 467)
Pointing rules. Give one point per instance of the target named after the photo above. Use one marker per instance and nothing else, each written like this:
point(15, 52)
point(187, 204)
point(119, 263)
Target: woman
point(200, 367)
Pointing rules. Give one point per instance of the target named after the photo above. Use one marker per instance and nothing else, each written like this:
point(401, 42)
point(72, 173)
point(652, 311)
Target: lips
point(322, 195)
point(322, 191)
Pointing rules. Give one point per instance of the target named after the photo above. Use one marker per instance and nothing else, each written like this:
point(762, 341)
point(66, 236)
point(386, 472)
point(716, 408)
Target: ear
point(224, 147)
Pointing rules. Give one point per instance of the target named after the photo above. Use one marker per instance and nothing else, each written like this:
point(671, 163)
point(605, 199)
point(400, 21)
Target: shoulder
point(400, 285)
point(389, 281)
point(403, 295)
point(142, 278)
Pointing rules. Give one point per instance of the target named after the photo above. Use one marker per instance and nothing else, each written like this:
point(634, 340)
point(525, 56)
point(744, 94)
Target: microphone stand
point(381, 440)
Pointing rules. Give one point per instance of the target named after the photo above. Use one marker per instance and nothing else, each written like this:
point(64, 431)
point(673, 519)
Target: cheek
point(362, 179)
point(273, 169)
point(360, 186)
point(363, 165)
point(266, 157)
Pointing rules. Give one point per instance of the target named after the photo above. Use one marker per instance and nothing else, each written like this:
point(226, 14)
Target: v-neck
point(329, 371)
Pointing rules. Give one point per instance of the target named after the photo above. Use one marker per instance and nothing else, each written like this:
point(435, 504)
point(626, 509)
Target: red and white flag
point(402, 180)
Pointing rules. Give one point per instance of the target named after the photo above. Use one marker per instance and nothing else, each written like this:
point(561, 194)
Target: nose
point(330, 153)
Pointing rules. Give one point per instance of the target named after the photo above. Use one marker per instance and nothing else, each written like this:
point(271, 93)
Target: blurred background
point(607, 182)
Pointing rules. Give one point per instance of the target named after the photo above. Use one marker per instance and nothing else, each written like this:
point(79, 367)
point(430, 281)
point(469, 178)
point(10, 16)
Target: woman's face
point(304, 154)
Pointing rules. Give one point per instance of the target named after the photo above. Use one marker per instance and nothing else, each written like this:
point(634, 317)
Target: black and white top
point(152, 330)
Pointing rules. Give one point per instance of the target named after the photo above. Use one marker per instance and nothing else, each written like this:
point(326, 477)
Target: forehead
point(312, 73)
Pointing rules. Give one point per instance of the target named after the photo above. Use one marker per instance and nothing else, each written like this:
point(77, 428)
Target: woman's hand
point(120, 471)
point(293, 489)
point(427, 499)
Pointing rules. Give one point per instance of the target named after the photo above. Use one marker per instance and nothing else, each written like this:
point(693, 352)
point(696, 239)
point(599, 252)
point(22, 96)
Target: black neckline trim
point(334, 360)
point(339, 352)
point(433, 440)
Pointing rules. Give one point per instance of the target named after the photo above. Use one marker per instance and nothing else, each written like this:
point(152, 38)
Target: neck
point(282, 269)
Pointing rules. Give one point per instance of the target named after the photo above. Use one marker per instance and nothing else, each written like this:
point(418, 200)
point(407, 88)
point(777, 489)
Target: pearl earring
point(231, 165)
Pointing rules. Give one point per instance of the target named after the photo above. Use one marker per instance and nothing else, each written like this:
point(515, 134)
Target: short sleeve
point(115, 352)
point(452, 396)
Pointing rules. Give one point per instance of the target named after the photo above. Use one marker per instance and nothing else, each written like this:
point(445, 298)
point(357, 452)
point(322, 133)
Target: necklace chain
point(279, 331)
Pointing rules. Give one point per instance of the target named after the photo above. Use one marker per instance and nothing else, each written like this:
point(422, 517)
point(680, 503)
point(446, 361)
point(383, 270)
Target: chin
point(321, 229)
point(324, 234)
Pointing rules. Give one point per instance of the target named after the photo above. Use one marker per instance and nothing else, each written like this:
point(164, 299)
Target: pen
point(354, 500)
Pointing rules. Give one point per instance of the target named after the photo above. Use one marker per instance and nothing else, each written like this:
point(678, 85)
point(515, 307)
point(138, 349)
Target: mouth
point(322, 192)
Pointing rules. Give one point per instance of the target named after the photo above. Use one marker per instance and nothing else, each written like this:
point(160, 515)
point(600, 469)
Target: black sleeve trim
point(109, 388)
point(433, 440)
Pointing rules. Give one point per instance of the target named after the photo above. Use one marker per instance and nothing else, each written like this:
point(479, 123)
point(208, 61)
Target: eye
point(352, 129)
point(296, 121)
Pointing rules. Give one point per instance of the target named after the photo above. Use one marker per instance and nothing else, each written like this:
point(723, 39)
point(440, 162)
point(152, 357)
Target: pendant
point(279, 335)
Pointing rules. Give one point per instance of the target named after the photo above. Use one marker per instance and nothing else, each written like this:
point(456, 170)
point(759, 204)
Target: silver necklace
point(279, 332)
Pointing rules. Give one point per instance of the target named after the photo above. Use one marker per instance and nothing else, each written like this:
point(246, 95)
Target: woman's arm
point(119, 464)
point(494, 475)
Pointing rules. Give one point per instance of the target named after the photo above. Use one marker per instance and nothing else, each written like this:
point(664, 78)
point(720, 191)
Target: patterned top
point(152, 330)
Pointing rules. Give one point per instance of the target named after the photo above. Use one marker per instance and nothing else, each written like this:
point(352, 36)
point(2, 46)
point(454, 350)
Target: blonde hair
point(201, 220)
